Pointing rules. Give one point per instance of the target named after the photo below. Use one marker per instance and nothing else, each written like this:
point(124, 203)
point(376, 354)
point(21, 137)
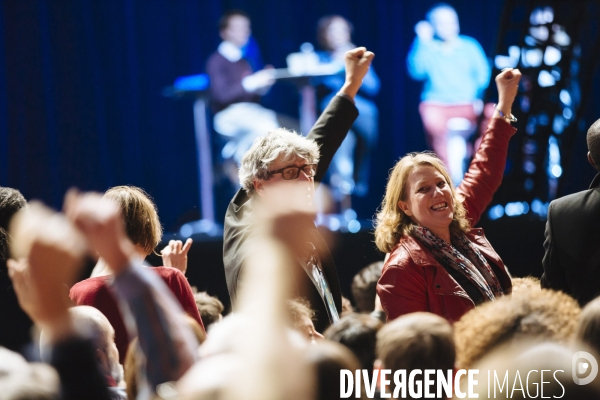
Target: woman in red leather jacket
point(437, 262)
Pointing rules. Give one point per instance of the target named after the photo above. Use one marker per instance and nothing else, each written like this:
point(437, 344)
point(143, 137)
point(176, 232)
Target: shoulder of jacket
point(569, 200)
point(400, 258)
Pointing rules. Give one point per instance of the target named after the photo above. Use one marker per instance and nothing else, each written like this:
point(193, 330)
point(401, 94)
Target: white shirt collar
point(230, 51)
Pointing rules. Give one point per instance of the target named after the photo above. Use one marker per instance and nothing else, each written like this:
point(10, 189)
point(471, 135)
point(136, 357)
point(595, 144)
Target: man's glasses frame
point(293, 172)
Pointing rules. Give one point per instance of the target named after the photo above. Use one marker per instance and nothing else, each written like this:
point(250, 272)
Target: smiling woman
point(437, 262)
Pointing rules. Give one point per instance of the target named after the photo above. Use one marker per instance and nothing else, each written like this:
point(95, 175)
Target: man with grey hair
point(572, 256)
point(286, 158)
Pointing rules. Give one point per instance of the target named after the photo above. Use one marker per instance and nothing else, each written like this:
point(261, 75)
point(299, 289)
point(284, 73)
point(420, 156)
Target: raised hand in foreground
point(49, 253)
point(99, 220)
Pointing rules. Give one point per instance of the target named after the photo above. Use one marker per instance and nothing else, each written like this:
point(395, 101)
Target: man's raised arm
point(335, 122)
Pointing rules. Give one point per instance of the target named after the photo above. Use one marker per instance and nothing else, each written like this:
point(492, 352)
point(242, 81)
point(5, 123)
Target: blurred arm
point(419, 60)
point(166, 341)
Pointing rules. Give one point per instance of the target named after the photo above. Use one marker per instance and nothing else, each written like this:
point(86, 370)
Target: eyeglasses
point(289, 173)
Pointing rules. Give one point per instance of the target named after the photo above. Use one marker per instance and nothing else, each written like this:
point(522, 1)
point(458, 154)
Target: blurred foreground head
point(358, 332)
point(210, 308)
point(327, 359)
point(416, 341)
point(301, 318)
point(533, 315)
point(20, 380)
point(364, 286)
point(95, 325)
point(588, 326)
point(532, 370)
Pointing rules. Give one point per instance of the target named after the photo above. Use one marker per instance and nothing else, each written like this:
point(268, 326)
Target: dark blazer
point(329, 132)
point(572, 246)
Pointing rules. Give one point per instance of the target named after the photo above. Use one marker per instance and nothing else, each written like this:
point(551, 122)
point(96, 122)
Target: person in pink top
point(144, 230)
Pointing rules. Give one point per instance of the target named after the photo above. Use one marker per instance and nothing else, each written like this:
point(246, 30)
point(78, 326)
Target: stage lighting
point(558, 126)
point(552, 56)
point(552, 46)
point(334, 224)
point(561, 37)
point(539, 208)
point(186, 231)
point(354, 226)
point(539, 32)
point(565, 97)
point(516, 208)
point(496, 212)
point(532, 57)
point(545, 79)
point(541, 16)
point(528, 185)
point(510, 61)
point(529, 167)
point(554, 167)
point(350, 215)
point(530, 147)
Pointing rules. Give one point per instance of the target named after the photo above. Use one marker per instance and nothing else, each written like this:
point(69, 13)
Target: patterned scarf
point(465, 258)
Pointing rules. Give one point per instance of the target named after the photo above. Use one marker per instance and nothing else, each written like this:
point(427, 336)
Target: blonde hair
point(535, 315)
point(139, 212)
point(391, 222)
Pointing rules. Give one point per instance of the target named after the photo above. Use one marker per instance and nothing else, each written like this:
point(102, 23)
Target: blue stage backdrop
point(81, 82)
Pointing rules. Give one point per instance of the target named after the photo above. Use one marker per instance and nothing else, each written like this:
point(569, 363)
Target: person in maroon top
point(438, 263)
point(144, 230)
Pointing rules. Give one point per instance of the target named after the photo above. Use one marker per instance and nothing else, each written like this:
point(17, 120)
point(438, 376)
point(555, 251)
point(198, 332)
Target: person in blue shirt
point(455, 72)
point(350, 166)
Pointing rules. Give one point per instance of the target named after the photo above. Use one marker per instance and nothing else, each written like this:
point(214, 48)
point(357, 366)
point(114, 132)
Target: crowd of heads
point(515, 324)
point(530, 328)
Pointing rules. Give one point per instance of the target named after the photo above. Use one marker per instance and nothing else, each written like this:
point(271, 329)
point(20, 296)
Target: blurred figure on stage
point(237, 82)
point(456, 72)
point(350, 166)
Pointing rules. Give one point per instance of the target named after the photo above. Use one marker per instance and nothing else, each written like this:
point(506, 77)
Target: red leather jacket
point(412, 279)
